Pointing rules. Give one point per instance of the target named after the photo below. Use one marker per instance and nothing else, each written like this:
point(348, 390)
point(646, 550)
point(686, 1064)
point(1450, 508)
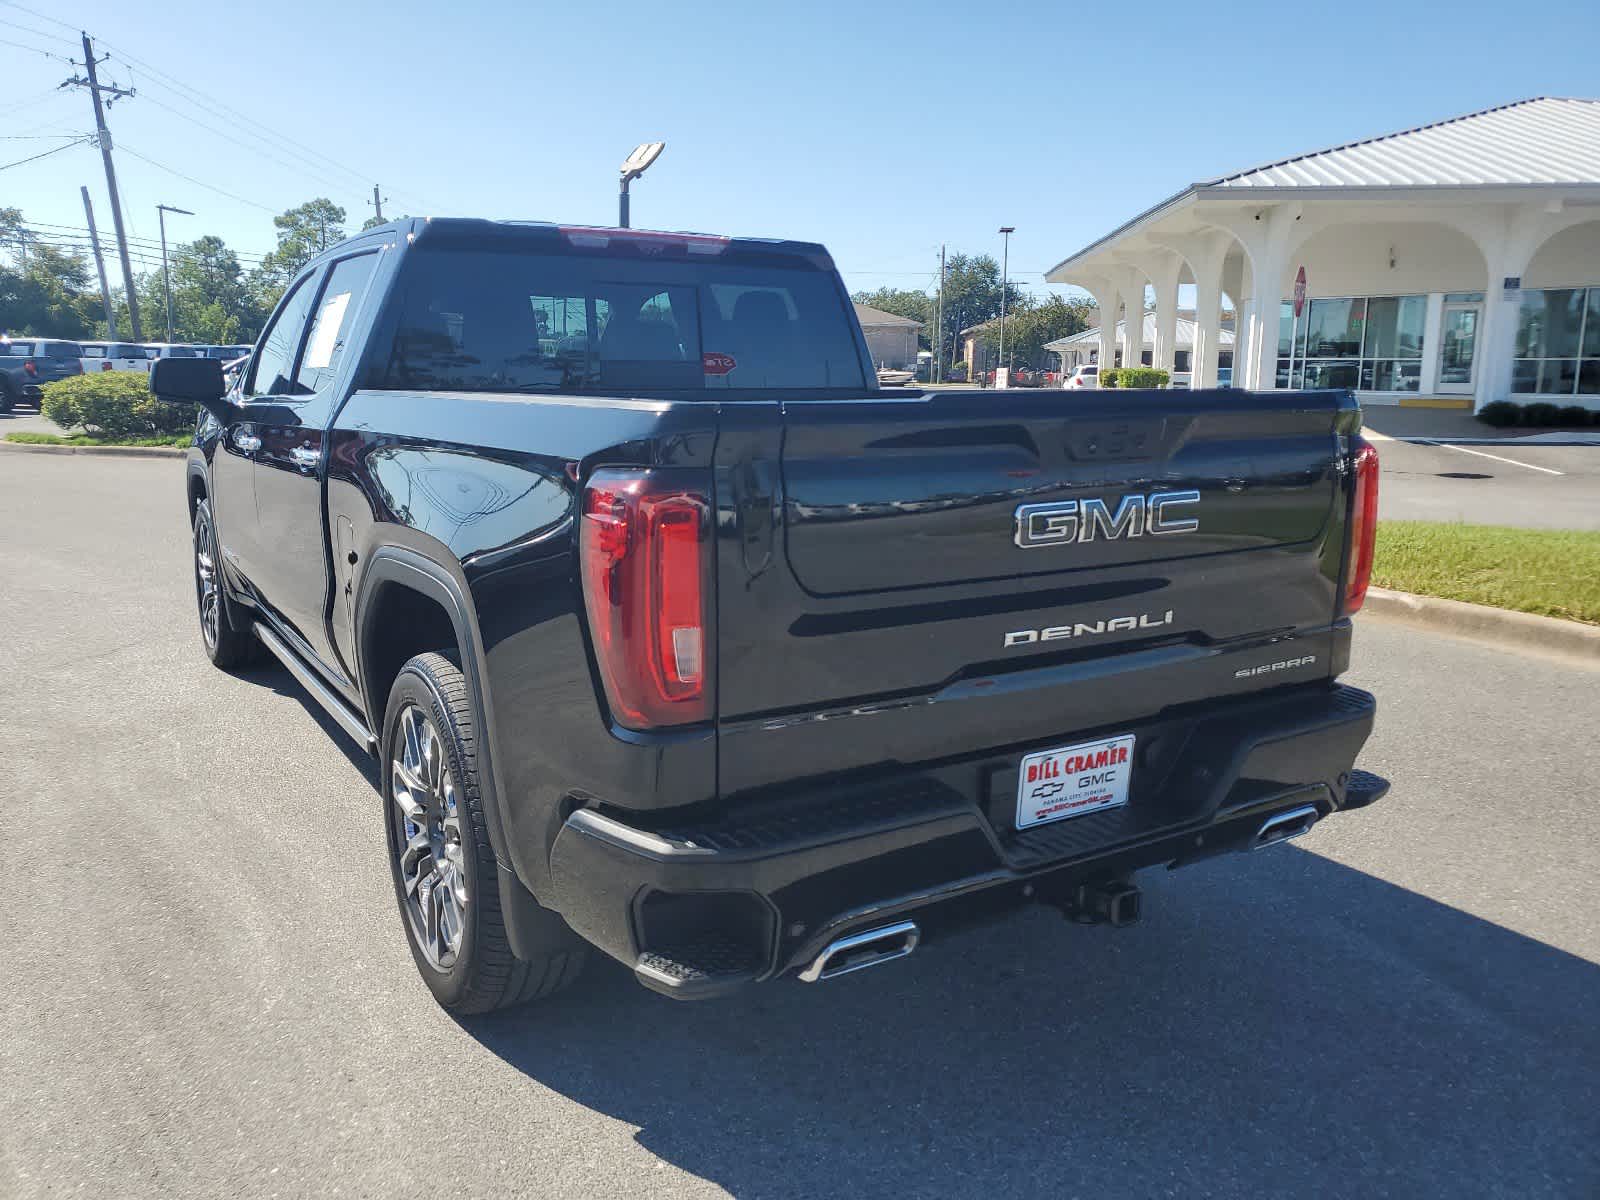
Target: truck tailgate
point(902, 571)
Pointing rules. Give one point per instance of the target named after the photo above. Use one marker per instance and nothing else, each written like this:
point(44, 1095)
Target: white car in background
point(1083, 377)
point(114, 356)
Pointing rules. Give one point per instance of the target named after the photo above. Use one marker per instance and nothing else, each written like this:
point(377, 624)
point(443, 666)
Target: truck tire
point(440, 858)
point(8, 396)
point(226, 646)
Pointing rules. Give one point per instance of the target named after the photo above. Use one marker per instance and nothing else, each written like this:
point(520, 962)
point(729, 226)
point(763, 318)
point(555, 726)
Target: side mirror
point(191, 381)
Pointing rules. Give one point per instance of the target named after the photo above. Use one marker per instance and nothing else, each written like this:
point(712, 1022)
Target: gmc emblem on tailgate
point(1086, 520)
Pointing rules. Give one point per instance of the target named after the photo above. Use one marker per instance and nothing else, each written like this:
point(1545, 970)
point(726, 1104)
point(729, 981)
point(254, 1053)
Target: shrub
point(1109, 375)
point(1500, 413)
point(114, 404)
point(1142, 377)
point(1577, 415)
point(1541, 413)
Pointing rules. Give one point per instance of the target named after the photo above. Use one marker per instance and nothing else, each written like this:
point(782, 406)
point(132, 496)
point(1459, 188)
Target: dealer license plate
point(1055, 784)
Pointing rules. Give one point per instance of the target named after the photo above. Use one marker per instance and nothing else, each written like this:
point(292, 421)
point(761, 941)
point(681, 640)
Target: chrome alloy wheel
point(429, 838)
point(208, 588)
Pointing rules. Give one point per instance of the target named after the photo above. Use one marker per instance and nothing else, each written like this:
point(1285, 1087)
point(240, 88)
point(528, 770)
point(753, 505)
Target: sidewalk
point(1447, 425)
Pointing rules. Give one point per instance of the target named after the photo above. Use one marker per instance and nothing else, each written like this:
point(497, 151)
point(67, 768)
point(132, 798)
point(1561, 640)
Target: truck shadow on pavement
point(1279, 1024)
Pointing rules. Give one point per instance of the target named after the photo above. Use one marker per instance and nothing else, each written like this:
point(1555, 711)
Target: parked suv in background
point(678, 637)
point(115, 356)
point(26, 364)
point(1083, 377)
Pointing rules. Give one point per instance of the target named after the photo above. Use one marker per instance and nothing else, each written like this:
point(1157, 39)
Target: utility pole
point(100, 267)
point(166, 273)
point(377, 203)
point(938, 337)
point(103, 136)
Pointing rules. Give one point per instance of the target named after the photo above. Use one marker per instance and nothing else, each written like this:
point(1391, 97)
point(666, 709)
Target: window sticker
point(329, 322)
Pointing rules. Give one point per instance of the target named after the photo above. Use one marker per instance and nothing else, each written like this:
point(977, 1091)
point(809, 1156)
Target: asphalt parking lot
point(208, 992)
point(1511, 483)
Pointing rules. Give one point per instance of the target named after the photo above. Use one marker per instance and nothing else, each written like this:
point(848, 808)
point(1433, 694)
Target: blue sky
point(814, 121)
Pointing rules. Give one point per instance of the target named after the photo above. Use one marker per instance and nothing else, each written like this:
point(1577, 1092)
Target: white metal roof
point(1538, 141)
point(1183, 340)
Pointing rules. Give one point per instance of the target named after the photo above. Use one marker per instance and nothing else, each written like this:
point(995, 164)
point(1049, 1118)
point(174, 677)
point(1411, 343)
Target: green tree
point(211, 301)
point(1031, 325)
point(303, 233)
point(971, 297)
point(46, 292)
point(915, 306)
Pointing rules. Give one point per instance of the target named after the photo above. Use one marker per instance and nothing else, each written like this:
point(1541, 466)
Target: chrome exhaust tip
point(1285, 826)
point(863, 950)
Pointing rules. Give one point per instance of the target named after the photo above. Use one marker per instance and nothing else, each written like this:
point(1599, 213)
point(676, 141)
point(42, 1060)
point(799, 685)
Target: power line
point(267, 135)
point(73, 240)
point(54, 37)
point(36, 50)
point(233, 140)
point(70, 28)
point(127, 149)
point(30, 101)
point(78, 141)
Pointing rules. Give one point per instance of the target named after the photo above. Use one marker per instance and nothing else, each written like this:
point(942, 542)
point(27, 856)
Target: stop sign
point(1300, 292)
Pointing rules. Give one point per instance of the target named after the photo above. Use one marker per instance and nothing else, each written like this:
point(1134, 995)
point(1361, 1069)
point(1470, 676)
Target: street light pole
point(1005, 285)
point(632, 167)
point(166, 274)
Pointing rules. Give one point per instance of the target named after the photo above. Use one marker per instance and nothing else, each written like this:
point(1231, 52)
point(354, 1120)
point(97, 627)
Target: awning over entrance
point(1454, 259)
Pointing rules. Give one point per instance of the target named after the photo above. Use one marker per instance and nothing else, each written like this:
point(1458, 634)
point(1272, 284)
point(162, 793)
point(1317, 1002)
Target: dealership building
point(1445, 266)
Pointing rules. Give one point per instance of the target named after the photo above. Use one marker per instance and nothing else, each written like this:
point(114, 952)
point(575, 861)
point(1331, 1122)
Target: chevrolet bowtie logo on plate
point(1090, 520)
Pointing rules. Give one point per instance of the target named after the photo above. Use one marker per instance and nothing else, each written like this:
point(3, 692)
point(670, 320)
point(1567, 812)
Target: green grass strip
point(81, 439)
point(1552, 572)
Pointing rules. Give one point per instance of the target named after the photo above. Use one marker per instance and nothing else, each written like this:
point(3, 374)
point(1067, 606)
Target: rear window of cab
point(464, 319)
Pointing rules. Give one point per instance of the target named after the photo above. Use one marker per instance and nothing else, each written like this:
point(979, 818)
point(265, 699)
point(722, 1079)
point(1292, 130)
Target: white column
point(1105, 299)
point(1133, 320)
point(1265, 234)
point(1207, 270)
point(1242, 310)
point(1261, 322)
point(1491, 370)
point(1166, 286)
point(1432, 327)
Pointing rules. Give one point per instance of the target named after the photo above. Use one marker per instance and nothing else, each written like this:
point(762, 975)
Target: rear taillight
point(645, 553)
point(1363, 527)
point(106, 366)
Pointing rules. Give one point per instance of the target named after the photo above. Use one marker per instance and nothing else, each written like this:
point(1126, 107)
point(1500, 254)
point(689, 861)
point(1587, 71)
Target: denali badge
point(1085, 520)
point(1026, 637)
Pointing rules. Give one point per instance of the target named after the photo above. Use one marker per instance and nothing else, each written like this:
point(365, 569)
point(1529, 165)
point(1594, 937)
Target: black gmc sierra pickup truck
point(674, 636)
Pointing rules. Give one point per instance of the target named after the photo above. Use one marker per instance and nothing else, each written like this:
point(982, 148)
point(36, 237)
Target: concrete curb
point(1512, 630)
point(113, 451)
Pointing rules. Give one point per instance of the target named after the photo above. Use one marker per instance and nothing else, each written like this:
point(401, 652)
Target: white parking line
point(1372, 435)
point(1514, 462)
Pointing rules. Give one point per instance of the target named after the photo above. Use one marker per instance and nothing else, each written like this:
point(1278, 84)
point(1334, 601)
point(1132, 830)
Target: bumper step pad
point(1363, 789)
point(705, 966)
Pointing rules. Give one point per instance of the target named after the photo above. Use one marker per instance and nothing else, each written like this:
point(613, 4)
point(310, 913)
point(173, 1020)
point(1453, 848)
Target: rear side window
point(347, 283)
point(526, 321)
point(96, 352)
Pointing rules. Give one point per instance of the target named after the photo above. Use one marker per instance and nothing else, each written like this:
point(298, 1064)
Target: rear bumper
point(697, 908)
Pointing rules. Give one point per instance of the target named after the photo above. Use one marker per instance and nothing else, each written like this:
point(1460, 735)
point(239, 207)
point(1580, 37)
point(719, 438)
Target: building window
point(1558, 343)
point(1366, 343)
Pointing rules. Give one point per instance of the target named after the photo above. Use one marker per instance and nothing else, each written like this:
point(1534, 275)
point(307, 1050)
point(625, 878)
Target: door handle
point(305, 456)
point(244, 440)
